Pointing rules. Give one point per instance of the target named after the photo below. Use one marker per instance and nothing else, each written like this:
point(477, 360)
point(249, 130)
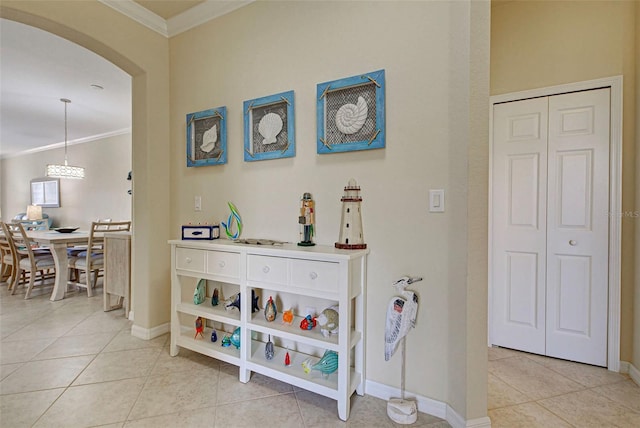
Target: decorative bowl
point(66, 229)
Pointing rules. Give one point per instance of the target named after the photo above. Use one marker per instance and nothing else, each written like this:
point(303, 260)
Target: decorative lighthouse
point(351, 225)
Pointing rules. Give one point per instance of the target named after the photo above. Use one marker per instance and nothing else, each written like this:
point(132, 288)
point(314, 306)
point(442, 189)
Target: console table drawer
point(315, 275)
point(190, 259)
point(223, 263)
point(267, 269)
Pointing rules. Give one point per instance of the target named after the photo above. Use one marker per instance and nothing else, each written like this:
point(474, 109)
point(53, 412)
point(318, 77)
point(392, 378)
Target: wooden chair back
point(22, 243)
point(7, 256)
point(97, 230)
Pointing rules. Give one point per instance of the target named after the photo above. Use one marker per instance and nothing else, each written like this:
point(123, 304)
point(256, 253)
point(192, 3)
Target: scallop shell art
point(209, 139)
point(269, 127)
point(350, 117)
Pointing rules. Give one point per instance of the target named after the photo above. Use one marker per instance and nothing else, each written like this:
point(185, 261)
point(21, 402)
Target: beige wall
point(144, 55)
point(102, 194)
point(425, 48)
point(539, 44)
point(435, 56)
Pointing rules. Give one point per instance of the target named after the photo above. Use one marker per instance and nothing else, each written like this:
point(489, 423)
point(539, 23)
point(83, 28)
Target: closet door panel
point(519, 186)
point(577, 228)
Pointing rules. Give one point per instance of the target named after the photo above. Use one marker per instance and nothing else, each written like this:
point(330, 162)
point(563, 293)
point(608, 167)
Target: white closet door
point(578, 226)
point(519, 194)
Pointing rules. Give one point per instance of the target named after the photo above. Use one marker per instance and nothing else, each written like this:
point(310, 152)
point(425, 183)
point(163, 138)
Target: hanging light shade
point(66, 170)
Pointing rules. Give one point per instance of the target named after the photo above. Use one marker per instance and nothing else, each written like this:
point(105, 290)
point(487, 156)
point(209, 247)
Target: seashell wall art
point(269, 127)
point(351, 113)
point(269, 131)
point(350, 117)
point(207, 137)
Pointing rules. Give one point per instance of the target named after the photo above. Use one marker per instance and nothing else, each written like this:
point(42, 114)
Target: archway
point(91, 25)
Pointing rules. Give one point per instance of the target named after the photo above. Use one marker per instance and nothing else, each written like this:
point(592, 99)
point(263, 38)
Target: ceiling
point(37, 69)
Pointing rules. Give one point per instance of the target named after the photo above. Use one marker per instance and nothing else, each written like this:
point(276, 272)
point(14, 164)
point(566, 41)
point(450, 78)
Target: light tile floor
point(69, 364)
point(527, 390)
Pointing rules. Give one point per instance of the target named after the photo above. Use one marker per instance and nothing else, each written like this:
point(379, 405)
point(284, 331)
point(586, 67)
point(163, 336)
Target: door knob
point(573, 243)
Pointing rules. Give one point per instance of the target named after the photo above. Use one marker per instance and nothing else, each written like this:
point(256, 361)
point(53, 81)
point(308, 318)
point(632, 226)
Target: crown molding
point(202, 13)
point(82, 140)
point(185, 21)
point(139, 14)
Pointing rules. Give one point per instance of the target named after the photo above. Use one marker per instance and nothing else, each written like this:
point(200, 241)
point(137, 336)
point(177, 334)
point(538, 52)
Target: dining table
point(58, 243)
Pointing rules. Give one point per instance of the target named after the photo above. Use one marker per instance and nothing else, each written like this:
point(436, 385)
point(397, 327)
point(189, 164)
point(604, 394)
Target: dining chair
point(7, 258)
point(77, 249)
point(38, 263)
point(91, 261)
point(13, 258)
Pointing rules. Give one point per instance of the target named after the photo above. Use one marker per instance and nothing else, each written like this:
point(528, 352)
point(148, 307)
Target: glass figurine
point(269, 350)
point(270, 310)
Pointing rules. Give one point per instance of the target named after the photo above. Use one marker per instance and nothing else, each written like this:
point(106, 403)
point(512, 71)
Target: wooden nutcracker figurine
point(307, 220)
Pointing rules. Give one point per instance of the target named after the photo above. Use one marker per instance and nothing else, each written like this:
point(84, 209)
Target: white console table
point(296, 277)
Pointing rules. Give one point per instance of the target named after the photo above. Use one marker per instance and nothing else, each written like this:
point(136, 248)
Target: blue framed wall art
point(207, 137)
point(351, 113)
point(269, 127)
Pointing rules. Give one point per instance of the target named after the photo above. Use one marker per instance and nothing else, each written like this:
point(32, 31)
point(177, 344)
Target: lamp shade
point(34, 212)
point(64, 171)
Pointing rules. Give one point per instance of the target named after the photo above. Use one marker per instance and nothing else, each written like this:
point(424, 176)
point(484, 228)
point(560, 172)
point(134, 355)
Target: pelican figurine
point(401, 315)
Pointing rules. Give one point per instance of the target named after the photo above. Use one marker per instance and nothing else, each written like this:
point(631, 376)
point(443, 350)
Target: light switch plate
point(197, 206)
point(436, 200)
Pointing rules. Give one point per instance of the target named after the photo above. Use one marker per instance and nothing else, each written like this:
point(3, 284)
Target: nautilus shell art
point(351, 117)
point(209, 139)
point(269, 127)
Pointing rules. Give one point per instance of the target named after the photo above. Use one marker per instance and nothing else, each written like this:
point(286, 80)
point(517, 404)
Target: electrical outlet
point(198, 203)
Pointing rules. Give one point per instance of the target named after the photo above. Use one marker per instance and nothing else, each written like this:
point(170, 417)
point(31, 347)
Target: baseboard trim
point(149, 333)
point(634, 373)
point(427, 405)
point(457, 421)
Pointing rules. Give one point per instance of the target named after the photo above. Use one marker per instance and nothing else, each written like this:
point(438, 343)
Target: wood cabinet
point(304, 279)
point(117, 271)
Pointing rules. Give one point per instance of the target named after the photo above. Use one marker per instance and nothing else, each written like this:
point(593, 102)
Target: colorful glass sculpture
point(199, 327)
point(214, 335)
point(326, 365)
point(235, 338)
point(234, 302)
point(287, 316)
point(328, 321)
point(215, 297)
point(270, 310)
point(308, 323)
point(268, 350)
point(227, 226)
point(199, 292)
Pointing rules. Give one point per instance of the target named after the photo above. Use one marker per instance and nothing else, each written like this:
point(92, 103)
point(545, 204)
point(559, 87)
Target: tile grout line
point(146, 380)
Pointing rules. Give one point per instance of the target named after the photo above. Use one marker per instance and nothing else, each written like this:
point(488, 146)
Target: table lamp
point(34, 212)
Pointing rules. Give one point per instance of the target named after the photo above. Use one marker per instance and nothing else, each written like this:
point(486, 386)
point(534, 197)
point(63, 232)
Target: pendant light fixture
point(66, 170)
